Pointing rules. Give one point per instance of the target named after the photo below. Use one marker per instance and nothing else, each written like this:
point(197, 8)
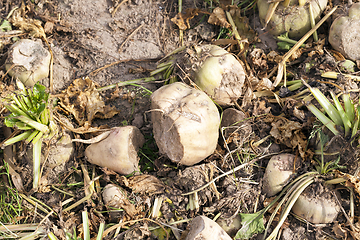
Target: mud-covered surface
point(99, 43)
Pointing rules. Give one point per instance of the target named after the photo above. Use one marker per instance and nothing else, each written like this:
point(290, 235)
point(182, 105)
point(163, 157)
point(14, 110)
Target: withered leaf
point(183, 20)
point(318, 48)
point(339, 231)
point(288, 133)
point(351, 181)
point(27, 25)
point(83, 101)
point(258, 59)
point(144, 184)
point(242, 25)
point(218, 17)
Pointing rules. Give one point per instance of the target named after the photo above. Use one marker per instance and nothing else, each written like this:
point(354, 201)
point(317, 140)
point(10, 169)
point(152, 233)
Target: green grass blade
point(325, 120)
point(27, 101)
point(22, 126)
point(51, 236)
point(19, 103)
point(44, 117)
point(31, 137)
point(39, 126)
point(328, 107)
point(343, 115)
point(349, 107)
point(38, 137)
point(18, 138)
point(101, 231)
point(355, 127)
point(16, 110)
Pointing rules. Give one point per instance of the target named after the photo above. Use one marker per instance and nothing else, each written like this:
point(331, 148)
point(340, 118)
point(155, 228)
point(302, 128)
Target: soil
point(116, 41)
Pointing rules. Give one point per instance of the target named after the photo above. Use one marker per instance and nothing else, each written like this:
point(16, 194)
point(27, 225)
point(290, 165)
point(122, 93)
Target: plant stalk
point(36, 162)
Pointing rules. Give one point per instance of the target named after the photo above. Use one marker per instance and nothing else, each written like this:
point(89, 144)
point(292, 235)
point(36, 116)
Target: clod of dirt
point(317, 204)
point(278, 173)
point(28, 61)
point(218, 73)
point(344, 33)
point(206, 229)
point(293, 18)
point(299, 233)
point(196, 176)
point(118, 151)
point(185, 123)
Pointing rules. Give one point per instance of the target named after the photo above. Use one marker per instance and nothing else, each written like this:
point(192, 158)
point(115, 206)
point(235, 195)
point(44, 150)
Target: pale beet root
point(317, 204)
point(293, 18)
point(185, 123)
point(344, 33)
point(278, 173)
point(28, 61)
point(230, 226)
point(118, 151)
point(116, 199)
point(219, 74)
point(60, 151)
point(203, 228)
point(114, 196)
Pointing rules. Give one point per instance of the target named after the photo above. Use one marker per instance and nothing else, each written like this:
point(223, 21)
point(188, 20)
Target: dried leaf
point(83, 101)
point(261, 108)
point(218, 17)
point(258, 60)
point(242, 25)
point(356, 232)
point(339, 231)
point(27, 25)
point(183, 20)
point(273, 56)
point(351, 181)
point(143, 184)
point(298, 52)
point(138, 232)
point(288, 133)
point(318, 48)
